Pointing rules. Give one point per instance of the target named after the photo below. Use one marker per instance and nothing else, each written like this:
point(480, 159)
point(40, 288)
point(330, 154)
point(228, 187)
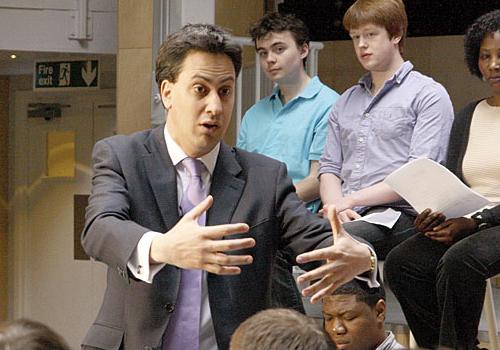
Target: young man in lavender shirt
point(393, 115)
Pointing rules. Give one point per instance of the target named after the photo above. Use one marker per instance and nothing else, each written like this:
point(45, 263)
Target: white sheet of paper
point(385, 218)
point(425, 183)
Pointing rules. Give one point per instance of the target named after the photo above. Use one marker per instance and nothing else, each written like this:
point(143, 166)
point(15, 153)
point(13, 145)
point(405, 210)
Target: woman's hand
point(452, 229)
point(428, 219)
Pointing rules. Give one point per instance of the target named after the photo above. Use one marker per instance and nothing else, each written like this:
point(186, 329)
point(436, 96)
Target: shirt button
point(170, 307)
point(360, 140)
point(357, 166)
point(366, 115)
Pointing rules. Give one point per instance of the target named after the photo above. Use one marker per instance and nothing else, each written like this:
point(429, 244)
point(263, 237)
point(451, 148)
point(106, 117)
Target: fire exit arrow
point(88, 74)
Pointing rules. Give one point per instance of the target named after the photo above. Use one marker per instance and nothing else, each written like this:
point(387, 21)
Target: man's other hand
point(344, 260)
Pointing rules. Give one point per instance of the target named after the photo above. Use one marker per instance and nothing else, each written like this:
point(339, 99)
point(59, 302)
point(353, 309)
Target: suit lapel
point(226, 187)
point(162, 177)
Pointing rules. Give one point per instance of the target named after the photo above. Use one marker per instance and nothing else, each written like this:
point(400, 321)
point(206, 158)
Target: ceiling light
point(13, 56)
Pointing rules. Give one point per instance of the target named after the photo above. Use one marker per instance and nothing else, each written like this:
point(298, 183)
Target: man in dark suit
point(160, 254)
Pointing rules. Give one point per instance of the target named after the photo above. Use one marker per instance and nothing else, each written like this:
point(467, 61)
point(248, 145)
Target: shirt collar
point(177, 154)
point(401, 73)
point(311, 89)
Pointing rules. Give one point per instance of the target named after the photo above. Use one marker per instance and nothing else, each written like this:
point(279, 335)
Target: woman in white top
point(439, 275)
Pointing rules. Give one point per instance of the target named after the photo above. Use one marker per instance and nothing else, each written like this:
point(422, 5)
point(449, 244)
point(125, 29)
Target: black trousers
point(441, 288)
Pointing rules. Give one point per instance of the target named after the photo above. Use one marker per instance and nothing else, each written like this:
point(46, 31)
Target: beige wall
point(441, 58)
point(134, 65)
point(4, 175)
point(237, 16)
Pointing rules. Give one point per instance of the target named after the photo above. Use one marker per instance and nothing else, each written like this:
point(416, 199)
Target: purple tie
point(183, 331)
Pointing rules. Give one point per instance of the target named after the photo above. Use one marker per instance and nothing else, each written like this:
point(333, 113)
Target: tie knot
point(194, 166)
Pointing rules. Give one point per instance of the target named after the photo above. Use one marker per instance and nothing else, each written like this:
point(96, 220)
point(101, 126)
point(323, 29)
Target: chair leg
point(489, 310)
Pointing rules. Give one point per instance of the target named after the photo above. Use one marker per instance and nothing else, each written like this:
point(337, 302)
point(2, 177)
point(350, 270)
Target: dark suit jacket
point(134, 191)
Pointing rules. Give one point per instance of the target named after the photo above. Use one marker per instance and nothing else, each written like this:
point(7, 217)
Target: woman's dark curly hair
point(488, 23)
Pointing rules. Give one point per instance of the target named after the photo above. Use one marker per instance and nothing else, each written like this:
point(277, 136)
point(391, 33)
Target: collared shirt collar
point(401, 73)
point(311, 89)
point(177, 154)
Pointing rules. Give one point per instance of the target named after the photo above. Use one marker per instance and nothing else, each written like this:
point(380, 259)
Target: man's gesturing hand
point(345, 259)
point(191, 246)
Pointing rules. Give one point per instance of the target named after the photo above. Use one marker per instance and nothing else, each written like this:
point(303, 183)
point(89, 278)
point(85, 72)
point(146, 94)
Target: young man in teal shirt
point(290, 125)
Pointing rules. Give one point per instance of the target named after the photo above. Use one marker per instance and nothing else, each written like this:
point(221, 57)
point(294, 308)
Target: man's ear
point(396, 39)
point(304, 50)
point(166, 94)
point(380, 310)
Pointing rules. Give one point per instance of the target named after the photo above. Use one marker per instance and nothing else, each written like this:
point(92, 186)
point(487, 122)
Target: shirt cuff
point(371, 278)
point(139, 261)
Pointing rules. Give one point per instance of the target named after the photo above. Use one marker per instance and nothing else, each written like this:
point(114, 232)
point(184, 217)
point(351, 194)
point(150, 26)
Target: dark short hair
point(485, 25)
point(191, 38)
point(277, 329)
point(390, 14)
point(25, 334)
point(362, 292)
point(275, 22)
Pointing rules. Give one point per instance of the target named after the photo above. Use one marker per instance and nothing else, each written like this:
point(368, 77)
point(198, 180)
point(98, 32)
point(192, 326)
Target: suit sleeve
point(109, 234)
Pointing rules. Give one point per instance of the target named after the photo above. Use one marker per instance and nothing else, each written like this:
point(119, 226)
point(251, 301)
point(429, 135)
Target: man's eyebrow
point(209, 79)
point(273, 45)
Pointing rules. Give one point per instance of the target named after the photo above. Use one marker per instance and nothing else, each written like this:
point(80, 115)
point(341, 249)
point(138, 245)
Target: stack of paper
point(426, 184)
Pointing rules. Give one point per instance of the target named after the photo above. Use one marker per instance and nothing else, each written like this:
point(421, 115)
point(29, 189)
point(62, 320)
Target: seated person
point(354, 318)
point(439, 276)
point(393, 115)
point(289, 125)
point(280, 329)
point(24, 334)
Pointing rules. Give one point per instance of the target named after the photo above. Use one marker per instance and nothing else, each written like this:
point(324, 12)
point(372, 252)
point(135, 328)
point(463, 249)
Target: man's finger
point(353, 214)
point(219, 231)
point(324, 292)
point(319, 272)
point(221, 270)
point(227, 245)
point(331, 214)
point(315, 255)
point(229, 260)
point(199, 209)
point(344, 217)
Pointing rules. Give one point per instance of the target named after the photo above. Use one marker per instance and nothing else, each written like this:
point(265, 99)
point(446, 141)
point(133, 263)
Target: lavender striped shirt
point(371, 136)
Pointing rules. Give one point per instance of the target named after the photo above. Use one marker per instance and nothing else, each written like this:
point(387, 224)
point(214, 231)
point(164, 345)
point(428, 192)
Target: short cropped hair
point(275, 22)
point(25, 334)
point(362, 291)
point(485, 25)
point(280, 329)
point(194, 38)
point(390, 14)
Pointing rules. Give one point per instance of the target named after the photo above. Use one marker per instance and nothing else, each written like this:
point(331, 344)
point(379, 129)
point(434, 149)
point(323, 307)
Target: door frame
point(18, 213)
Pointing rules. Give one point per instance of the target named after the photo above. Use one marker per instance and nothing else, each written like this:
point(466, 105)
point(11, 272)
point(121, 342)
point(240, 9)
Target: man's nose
point(270, 58)
point(214, 104)
point(338, 327)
